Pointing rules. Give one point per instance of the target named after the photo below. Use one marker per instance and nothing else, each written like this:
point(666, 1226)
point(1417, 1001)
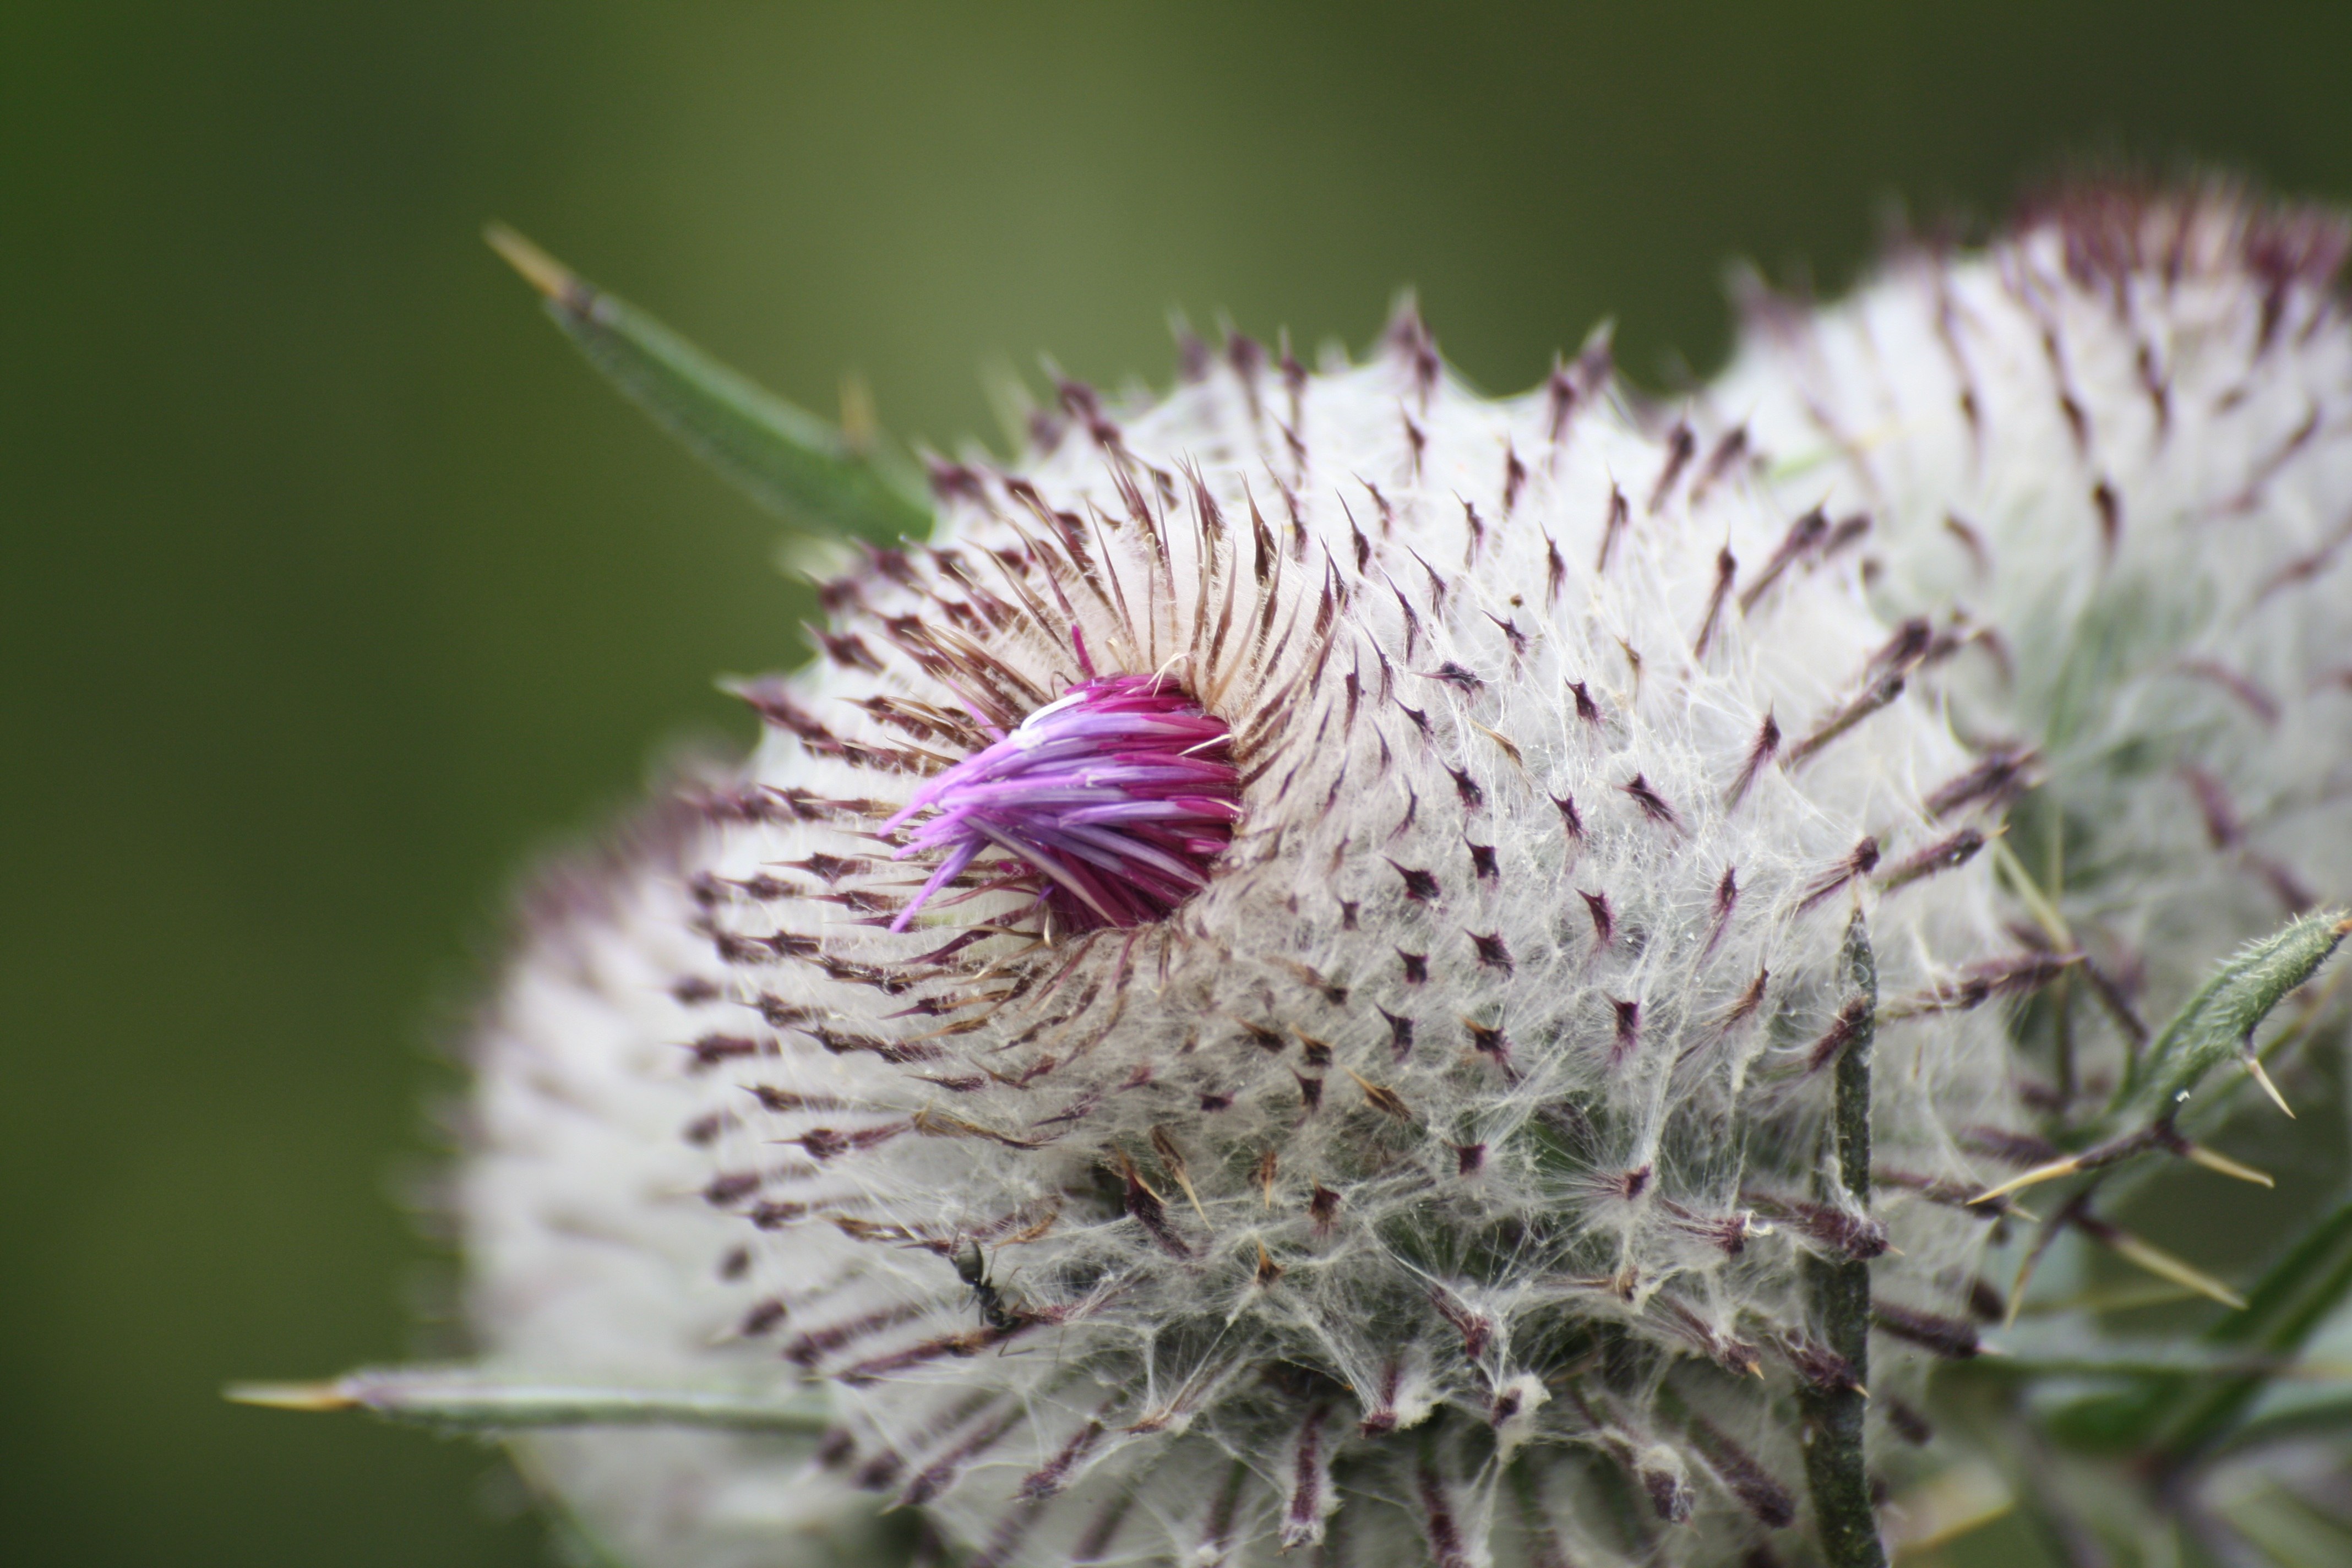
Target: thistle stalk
point(1835, 1460)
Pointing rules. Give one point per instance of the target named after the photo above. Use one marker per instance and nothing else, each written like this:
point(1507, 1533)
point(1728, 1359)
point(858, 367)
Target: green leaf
point(2292, 1299)
point(791, 462)
point(462, 1399)
point(2285, 1528)
point(2179, 1415)
point(2132, 1361)
point(2218, 1023)
point(2303, 1413)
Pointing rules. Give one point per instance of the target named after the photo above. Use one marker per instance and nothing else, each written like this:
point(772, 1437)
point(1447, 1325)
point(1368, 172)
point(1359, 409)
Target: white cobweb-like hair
point(595, 1253)
point(1432, 1185)
point(2110, 455)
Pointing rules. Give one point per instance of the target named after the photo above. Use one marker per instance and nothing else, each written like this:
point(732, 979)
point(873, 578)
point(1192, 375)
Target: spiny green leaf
point(791, 462)
point(2218, 1023)
point(461, 1399)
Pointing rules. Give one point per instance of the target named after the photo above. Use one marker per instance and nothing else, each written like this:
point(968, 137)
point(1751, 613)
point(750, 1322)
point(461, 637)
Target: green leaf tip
point(558, 282)
point(307, 1397)
point(817, 476)
point(462, 1399)
point(2218, 1023)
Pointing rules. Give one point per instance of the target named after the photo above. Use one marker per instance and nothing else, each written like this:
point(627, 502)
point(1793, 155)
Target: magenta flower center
point(1111, 802)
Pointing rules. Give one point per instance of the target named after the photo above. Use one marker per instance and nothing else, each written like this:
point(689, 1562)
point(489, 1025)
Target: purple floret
point(1113, 800)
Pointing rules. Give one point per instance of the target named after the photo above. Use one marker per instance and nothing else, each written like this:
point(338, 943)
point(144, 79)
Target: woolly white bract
point(2113, 450)
point(1433, 1183)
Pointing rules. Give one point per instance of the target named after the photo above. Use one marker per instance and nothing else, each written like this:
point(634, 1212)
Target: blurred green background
point(335, 587)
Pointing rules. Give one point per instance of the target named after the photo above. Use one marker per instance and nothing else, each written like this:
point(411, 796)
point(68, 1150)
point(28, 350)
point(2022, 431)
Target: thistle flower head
point(2101, 469)
point(1284, 981)
point(2115, 510)
point(1339, 964)
point(1114, 799)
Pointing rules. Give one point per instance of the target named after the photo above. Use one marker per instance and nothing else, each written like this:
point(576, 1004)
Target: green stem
point(1835, 1464)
